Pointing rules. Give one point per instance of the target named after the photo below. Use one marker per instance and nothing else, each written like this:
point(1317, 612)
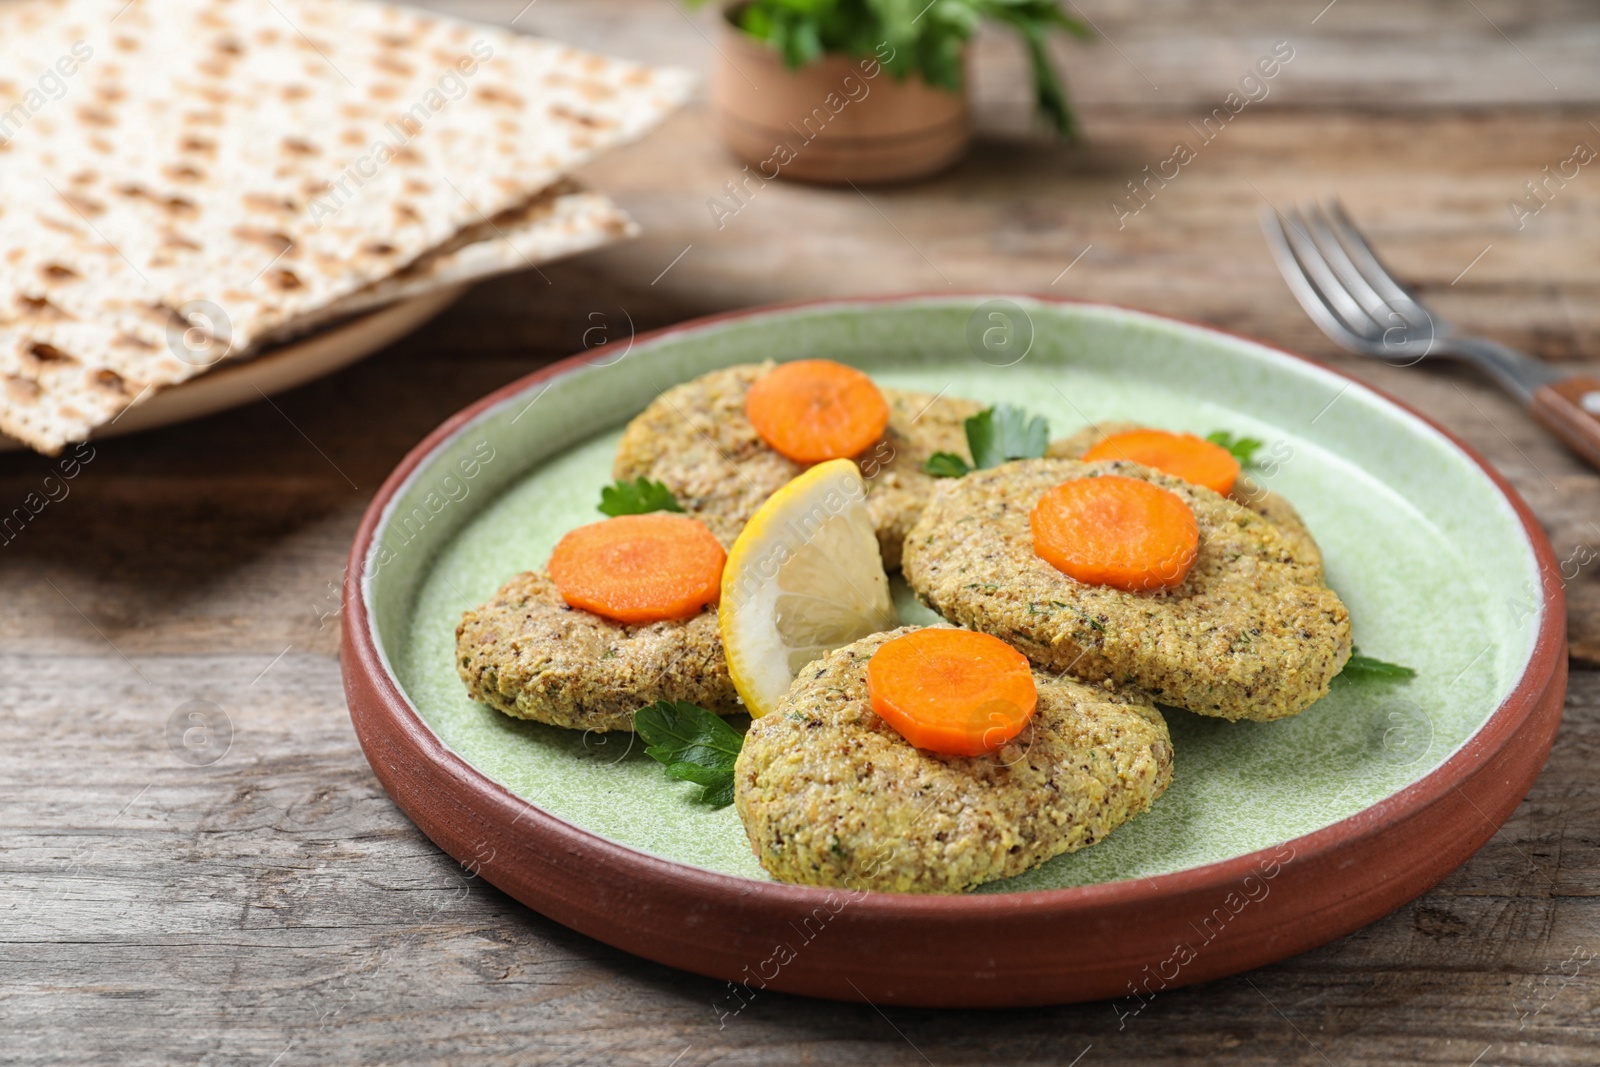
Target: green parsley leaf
point(994, 435)
point(638, 497)
point(693, 744)
point(1366, 668)
point(1243, 448)
point(1003, 433)
point(946, 465)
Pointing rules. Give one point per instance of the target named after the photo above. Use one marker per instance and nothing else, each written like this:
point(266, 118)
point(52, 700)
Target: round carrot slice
point(639, 568)
point(952, 691)
point(815, 409)
point(1116, 531)
point(1182, 455)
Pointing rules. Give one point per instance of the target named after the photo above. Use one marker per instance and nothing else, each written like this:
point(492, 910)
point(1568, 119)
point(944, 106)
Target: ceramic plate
point(1273, 837)
point(277, 370)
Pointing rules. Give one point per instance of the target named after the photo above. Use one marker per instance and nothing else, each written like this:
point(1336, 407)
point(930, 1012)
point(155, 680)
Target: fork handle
point(1570, 409)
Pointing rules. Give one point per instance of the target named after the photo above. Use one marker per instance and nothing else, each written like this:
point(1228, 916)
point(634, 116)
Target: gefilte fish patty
point(1251, 633)
point(528, 654)
point(1252, 494)
point(832, 795)
point(696, 439)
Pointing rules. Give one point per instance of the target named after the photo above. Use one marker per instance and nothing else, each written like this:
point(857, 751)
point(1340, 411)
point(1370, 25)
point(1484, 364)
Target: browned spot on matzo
point(394, 66)
point(39, 309)
point(276, 243)
point(83, 204)
point(504, 97)
point(22, 390)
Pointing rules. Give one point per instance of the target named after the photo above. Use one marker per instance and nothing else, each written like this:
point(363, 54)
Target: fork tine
point(1328, 244)
point(1366, 260)
point(1355, 317)
point(1300, 284)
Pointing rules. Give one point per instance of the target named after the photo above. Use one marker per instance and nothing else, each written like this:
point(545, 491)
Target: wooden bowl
point(838, 120)
point(1255, 899)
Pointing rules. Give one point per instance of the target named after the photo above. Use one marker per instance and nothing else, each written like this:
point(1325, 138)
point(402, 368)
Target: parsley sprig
point(638, 497)
point(694, 746)
point(946, 465)
point(1243, 448)
point(914, 36)
point(1368, 668)
point(994, 436)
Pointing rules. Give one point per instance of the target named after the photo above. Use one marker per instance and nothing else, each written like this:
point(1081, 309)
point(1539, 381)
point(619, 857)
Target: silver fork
point(1362, 307)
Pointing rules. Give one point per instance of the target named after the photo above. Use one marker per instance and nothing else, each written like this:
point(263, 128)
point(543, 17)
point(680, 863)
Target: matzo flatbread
point(254, 161)
point(564, 220)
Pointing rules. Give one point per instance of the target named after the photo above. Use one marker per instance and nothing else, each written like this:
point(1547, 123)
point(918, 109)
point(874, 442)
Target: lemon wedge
point(804, 578)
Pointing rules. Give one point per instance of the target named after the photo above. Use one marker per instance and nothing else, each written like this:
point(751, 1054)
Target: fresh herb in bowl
point(922, 38)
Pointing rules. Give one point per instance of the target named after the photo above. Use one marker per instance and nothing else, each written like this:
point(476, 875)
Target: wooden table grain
point(268, 905)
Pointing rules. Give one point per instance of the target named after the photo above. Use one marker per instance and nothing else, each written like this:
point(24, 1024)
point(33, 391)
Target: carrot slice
point(1116, 531)
point(952, 691)
point(639, 568)
point(1183, 455)
point(815, 409)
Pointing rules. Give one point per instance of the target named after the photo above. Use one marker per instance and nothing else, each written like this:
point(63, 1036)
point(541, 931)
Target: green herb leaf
point(1034, 19)
point(1366, 668)
point(638, 497)
point(1243, 448)
point(916, 37)
point(946, 465)
point(693, 744)
point(1001, 433)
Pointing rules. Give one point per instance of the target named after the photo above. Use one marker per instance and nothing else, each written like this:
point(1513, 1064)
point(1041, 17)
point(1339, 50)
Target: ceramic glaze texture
point(1429, 558)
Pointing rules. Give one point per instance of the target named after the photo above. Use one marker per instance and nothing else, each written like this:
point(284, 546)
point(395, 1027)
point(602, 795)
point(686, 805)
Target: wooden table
point(273, 907)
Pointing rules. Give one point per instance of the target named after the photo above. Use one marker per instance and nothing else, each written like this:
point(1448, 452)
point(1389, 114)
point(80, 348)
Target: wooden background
point(273, 907)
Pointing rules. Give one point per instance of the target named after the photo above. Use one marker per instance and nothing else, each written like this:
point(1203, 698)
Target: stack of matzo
point(248, 169)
